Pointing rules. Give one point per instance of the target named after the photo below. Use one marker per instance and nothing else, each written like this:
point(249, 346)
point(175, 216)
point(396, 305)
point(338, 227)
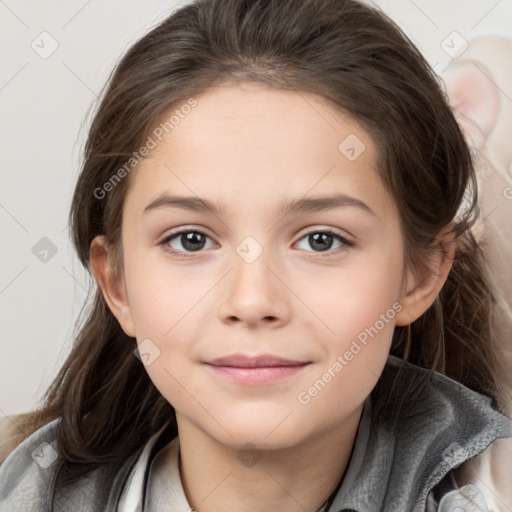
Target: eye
point(185, 241)
point(323, 241)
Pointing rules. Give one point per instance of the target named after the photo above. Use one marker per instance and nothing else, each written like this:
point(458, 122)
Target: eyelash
point(323, 254)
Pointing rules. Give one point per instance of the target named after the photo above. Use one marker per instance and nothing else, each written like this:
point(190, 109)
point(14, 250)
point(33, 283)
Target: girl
point(292, 313)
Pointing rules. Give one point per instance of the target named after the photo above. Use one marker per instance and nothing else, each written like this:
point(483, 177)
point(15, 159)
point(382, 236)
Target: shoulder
point(30, 478)
point(35, 477)
point(443, 413)
point(28, 470)
point(417, 394)
point(7, 434)
point(436, 426)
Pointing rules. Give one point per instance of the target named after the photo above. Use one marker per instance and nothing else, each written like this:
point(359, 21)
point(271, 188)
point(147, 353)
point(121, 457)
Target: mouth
point(255, 370)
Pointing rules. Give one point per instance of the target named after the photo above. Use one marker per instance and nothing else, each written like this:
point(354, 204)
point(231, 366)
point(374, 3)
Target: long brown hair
point(359, 60)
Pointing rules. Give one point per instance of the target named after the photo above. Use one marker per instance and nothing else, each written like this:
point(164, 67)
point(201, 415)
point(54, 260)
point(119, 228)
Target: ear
point(422, 285)
point(111, 283)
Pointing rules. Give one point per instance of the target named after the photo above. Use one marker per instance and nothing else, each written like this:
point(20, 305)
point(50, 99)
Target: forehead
point(252, 142)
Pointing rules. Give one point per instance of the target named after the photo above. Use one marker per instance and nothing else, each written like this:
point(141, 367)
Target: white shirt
point(164, 490)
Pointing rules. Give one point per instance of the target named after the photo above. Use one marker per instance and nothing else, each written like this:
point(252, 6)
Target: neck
point(297, 478)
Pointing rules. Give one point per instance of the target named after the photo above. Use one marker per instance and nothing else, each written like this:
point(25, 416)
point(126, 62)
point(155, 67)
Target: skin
point(248, 148)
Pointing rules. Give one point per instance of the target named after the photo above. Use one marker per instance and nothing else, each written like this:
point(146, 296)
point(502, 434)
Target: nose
point(254, 294)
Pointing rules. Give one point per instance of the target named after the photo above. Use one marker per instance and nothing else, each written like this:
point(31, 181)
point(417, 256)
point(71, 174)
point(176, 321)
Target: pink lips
point(255, 370)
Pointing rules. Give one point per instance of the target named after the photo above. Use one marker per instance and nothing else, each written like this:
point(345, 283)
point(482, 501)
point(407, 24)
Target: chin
point(258, 435)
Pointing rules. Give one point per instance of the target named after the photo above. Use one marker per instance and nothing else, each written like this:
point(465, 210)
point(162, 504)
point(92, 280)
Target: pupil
point(192, 241)
point(320, 239)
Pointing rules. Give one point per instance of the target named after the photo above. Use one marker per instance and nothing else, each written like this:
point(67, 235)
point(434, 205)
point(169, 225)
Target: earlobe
point(111, 284)
point(423, 285)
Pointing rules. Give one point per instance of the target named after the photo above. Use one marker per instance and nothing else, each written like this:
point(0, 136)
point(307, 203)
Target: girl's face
point(260, 228)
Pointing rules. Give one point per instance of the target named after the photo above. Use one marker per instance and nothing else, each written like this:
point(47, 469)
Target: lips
point(241, 361)
point(260, 370)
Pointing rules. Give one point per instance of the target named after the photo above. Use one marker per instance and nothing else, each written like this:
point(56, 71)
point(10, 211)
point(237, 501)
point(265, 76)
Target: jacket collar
point(416, 426)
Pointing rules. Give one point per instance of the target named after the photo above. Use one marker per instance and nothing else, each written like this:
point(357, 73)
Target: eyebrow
point(306, 204)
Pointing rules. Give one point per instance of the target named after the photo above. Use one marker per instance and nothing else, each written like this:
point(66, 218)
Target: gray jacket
point(416, 426)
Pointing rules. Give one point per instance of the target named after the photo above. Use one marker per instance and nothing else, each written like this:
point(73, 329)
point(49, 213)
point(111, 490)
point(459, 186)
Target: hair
point(361, 62)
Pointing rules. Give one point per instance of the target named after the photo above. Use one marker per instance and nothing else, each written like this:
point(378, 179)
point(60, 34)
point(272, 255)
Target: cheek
point(361, 318)
point(361, 312)
point(350, 300)
point(161, 294)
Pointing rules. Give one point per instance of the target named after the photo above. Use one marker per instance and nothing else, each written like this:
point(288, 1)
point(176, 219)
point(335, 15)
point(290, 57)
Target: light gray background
point(43, 123)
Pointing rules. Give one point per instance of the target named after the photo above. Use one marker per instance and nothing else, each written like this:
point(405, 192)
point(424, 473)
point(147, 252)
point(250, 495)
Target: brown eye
point(323, 241)
point(185, 241)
